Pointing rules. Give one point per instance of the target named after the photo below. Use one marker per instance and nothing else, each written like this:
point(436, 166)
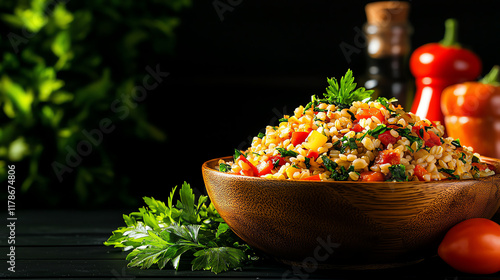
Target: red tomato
point(386, 138)
point(388, 156)
point(419, 171)
point(472, 246)
point(368, 113)
point(298, 137)
point(371, 176)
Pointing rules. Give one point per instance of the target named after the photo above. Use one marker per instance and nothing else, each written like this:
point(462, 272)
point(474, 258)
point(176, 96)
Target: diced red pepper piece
point(277, 160)
point(430, 138)
point(369, 112)
point(265, 167)
point(371, 176)
point(386, 138)
point(388, 156)
point(298, 137)
point(419, 171)
point(433, 140)
point(480, 166)
point(357, 128)
point(312, 154)
point(253, 171)
point(313, 178)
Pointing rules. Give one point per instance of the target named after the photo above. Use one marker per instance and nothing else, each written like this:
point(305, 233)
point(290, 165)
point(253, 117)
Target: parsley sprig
point(188, 232)
point(342, 94)
point(345, 93)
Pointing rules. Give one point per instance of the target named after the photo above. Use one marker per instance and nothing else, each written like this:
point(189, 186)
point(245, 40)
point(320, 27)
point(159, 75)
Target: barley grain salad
point(345, 136)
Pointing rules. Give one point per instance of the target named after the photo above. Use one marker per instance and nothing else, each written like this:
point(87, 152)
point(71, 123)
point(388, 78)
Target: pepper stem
point(493, 77)
point(450, 33)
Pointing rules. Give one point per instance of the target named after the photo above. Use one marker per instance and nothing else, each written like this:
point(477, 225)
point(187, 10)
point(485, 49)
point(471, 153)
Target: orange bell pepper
point(472, 113)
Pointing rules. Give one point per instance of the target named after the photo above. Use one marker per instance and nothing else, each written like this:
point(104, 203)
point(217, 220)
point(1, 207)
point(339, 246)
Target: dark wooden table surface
point(68, 244)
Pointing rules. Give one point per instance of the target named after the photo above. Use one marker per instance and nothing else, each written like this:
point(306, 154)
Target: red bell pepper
point(386, 138)
point(312, 154)
point(371, 176)
point(371, 112)
point(253, 171)
point(438, 65)
point(419, 171)
point(298, 137)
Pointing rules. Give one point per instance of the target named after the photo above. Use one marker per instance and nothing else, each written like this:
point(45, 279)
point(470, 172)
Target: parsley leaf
point(285, 153)
point(449, 172)
point(405, 132)
point(307, 162)
point(378, 130)
point(191, 232)
point(398, 173)
point(329, 164)
point(237, 154)
point(340, 174)
point(387, 102)
point(456, 143)
point(345, 93)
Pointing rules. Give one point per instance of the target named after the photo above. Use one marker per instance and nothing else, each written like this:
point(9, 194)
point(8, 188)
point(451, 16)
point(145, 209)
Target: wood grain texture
point(348, 223)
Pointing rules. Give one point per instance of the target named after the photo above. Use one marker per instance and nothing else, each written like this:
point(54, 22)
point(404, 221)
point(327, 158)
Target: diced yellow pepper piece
point(290, 171)
point(293, 120)
point(315, 140)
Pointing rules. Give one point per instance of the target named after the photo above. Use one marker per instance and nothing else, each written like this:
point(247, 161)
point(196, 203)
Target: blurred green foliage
point(63, 63)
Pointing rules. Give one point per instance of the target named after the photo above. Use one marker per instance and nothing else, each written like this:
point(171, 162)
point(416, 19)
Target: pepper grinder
point(387, 32)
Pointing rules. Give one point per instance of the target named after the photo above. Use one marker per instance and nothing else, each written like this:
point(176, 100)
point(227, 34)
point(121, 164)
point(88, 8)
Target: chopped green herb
point(307, 162)
point(316, 109)
point(261, 135)
point(224, 167)
point(351, 142)
point(421, 133)
point(475, 174)
point(340, 174)
point(449, 172)
point(329, 164)
point(237, 154)
point(405, 132)
point(456, 143)
point(353, 117)
point(344, 143)
point(475, 159)
point(283, 120)
point(398, 173)
point(314, 102)
point(285, 153)
point(381, 128)
point(387, 102)
point(462, 158)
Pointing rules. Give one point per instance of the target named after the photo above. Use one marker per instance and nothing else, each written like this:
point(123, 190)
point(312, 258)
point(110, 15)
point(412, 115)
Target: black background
point(230, 78)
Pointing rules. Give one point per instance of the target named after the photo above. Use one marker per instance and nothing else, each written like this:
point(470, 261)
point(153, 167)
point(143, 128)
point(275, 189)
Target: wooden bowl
point(351, 225)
